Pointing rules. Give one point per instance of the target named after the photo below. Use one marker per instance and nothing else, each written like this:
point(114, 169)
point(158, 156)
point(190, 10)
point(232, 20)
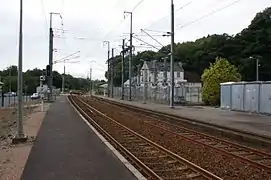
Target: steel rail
point(120, 147)
point(205, 139)
point(192, 166)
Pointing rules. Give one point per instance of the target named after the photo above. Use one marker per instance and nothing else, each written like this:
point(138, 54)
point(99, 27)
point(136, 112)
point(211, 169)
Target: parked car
point(10, 94)
point(35, 96)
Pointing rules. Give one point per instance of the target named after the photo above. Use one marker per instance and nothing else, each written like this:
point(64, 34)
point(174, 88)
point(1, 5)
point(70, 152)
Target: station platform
point(240, 121)
point(66, 148)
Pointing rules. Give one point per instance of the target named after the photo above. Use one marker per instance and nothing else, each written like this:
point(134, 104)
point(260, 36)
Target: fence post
point(2, 95)
point(9, 100)
point(14, 100)
point(145, 85)
point(198, 95)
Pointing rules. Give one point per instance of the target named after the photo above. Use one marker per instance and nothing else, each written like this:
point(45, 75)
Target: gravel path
point(207, 158)
point(13, 157)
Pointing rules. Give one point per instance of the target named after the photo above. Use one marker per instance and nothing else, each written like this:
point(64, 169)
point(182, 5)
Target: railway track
point(249, 155)
point(151, 159)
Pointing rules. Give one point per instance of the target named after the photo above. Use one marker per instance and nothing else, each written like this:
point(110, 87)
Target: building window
point(178, 74)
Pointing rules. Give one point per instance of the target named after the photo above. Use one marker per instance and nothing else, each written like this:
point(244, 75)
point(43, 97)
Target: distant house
point(133, 82)
point(103, 88)
point(158, 73)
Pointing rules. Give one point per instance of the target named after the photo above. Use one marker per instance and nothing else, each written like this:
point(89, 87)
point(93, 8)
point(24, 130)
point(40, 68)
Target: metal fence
point(246, 96)
point(11, 101)
point(182, 94)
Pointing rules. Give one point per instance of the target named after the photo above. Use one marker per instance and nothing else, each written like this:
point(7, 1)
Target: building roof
point(104, 85)
point(160, 66)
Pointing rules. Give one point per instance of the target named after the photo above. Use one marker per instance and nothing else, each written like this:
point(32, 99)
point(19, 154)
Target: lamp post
point(257, 66)
point(1, 93)
point(20, 136)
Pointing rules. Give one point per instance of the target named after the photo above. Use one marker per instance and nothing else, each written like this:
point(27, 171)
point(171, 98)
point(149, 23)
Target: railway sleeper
point(264, 161)
point(221, 146)
point(164, 163)
point(189, 176)
point(154, 158)
point(243, 153)
point(232, 149)
point(254, 157)
point(152, 153)
point(206, 141)
point(182, 168)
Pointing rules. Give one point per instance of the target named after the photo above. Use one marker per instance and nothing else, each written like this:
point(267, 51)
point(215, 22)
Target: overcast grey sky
point(88, 22)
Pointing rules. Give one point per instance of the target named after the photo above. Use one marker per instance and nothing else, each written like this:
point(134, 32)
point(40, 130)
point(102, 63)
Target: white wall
point(177, 79)
point(196, 85)
point(160, 76)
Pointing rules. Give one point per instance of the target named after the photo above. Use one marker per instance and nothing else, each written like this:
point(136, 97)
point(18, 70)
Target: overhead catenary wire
point(152, 37)
point(206, 15)
point(45, 18)
point(44, 12)
point(146, 42)
point(117, 25)
point(166, 16)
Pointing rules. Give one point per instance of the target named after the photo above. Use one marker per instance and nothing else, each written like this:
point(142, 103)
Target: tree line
point(241, 50)
point(31, 79)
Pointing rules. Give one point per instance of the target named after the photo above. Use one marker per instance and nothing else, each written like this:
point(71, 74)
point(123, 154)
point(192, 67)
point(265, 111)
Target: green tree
point(218, 72)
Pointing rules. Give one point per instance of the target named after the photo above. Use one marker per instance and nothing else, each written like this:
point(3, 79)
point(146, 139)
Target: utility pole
point(171, 101)
point(51, 49)
point(63, 78)
point(155, 78)
point(9, 74)
point(112, 75)
point(257, 65)
point(131, 55)
point(90, 78)
point(51, 46)
point(165, 69)
point(257, 69)
point(122, 70)
point(20, 136)
point(145, 79)
point(108, 67)
point(138, 74)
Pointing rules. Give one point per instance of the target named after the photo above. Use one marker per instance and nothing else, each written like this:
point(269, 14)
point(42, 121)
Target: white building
point(158, 73)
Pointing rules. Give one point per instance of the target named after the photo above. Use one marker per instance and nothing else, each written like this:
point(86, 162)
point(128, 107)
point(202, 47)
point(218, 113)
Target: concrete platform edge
point(126, 163)
point(266, 139)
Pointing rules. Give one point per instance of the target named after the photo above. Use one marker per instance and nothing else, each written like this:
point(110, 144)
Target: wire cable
point(117, 25)
point(152, 38)
point(145, 42)
point(178, 9)
point(180, 26)
point(44, 12)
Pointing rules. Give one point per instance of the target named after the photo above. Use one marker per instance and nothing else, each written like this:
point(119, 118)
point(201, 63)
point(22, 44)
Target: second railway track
point(249, 155)
point(152, 160)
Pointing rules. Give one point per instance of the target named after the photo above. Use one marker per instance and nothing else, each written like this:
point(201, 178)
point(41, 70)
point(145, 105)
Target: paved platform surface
point(66, 149)
point(248, 122)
